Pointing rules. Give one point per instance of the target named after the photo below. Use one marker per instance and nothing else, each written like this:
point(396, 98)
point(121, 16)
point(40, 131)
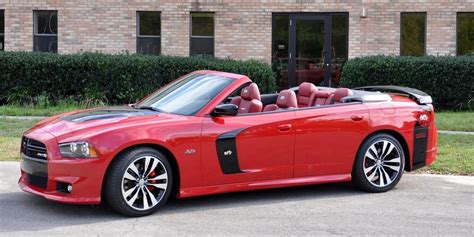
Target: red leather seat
point(322, 98)
point(306, 94)
point(249, 100)
point(339, 94)
point(286, 99)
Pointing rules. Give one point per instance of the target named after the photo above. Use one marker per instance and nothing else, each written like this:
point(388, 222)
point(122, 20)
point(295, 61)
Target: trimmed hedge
point(449, 80)
point(114, 79)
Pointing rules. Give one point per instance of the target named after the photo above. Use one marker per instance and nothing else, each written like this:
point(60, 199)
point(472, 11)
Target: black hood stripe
point(106, 113)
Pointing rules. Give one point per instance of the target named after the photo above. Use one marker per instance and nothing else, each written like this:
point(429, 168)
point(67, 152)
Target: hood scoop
point(106, 113)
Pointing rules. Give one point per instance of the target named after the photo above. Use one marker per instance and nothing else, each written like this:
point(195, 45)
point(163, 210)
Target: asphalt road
point(420, 205)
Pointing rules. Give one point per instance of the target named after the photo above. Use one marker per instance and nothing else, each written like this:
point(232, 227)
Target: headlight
point(77, 150)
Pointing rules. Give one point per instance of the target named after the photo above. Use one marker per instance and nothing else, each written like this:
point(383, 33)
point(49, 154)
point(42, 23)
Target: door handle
point(357, 117)
point(284, 127)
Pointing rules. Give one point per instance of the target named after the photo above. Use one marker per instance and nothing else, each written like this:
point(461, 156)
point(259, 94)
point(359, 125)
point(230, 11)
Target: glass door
point(309, 55)
point(309, 47)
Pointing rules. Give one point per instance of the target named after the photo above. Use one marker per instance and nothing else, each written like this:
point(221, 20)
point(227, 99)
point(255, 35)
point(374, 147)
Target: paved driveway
point(420, 205)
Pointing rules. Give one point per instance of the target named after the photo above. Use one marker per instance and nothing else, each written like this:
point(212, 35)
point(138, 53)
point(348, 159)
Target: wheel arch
point(397, 136)
point(160, 148)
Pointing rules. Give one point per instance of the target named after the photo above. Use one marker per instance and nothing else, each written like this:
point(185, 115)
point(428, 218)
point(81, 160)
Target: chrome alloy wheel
point(382, 163)
point(144, 183)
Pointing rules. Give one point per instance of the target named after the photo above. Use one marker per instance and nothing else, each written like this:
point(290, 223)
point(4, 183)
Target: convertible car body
point(212, 132)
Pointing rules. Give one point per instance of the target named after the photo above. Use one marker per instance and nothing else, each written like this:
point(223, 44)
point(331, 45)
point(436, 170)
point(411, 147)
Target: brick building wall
point(243, 28)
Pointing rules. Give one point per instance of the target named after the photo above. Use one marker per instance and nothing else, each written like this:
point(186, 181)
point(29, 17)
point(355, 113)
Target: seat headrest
point(307, 89)
point(287, 99)
point(341, 93)
point(250, 92)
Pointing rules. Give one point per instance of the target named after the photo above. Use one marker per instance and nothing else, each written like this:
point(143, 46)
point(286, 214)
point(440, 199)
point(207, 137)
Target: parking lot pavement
point(419, 205)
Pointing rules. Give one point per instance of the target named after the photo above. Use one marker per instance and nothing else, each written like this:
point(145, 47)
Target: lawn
point(14, 110)
point(10, 137)
point(455, 155)
point(455, 121)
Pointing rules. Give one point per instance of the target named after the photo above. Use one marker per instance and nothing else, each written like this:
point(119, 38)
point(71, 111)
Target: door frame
point(326, 47)
point(327, 16)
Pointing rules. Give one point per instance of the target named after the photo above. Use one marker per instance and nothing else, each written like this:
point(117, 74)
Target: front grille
point(37, 181)
point(33, 148)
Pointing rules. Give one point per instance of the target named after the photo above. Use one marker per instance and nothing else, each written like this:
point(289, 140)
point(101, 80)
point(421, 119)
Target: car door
point(327, 138)
point(247, 147)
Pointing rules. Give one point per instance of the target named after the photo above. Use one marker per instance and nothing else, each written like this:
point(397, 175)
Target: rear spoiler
point(419, 96)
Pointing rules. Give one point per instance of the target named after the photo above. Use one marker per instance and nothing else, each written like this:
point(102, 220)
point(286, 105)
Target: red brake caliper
point(152, 175)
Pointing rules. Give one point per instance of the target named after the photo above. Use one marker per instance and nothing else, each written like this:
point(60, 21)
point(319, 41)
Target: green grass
point(10, 137)
point(455, 155)
point(32, 110)
point(455, 152)
point(455, 121)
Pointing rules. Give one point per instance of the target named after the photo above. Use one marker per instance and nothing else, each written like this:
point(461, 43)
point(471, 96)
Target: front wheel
point(139, 182)
point(379, 164)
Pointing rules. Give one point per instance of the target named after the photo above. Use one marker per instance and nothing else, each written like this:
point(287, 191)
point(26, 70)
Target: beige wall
point(242, 28)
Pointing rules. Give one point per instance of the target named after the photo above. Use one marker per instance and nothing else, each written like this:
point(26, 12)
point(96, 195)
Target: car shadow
point(21, 211)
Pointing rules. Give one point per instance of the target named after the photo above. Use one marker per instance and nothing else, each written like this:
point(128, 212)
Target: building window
point(413, 34)
point(465, 33)
point(45, 35)
point(149, 33)
point(202, 34)
point(2, 30)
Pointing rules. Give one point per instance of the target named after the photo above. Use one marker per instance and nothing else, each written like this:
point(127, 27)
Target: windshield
point(187, 95)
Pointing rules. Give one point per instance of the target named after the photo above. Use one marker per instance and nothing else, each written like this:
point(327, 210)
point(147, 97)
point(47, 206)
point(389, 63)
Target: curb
point(22, 117)
point(455, 132)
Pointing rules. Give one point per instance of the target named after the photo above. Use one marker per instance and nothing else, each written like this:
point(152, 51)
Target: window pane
point(2, 30)
point(46, 44)
point(202, 24)
point(2, 22)
point(202, 47)
point(281, 26)
point(413, 26)
point(149, 45)
point(465, 37)
point(46, 22)
point(339, 40)
point(150, 23)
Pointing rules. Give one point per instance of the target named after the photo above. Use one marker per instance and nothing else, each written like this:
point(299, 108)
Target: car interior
point(305, 95)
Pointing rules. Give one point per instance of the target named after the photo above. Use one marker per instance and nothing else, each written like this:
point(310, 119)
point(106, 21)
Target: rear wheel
point(139, 182)
point(379, 164)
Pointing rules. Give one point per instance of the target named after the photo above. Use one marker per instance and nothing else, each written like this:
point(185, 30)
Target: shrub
point(449, 80)
point(28, 78)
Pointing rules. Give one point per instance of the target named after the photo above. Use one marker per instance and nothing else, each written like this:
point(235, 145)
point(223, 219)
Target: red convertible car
point(212, 132)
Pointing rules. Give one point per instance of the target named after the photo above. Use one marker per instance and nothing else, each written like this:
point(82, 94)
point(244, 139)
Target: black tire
point(113, 182)
point(359, 177)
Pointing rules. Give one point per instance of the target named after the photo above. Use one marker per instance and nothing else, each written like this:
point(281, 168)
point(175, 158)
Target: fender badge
point(189, 151)
point(228, 153)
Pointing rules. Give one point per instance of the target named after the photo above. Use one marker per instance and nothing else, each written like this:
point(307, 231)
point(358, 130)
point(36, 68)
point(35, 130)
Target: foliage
point(32, 78)
point(449, 80)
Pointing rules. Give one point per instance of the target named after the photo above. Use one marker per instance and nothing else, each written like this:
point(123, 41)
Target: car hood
point(88, 122)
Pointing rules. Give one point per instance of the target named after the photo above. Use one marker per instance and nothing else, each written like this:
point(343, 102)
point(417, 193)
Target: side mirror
point(225, 109)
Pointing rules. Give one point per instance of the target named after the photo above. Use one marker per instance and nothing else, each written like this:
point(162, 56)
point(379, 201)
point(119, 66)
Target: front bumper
point(48, 179)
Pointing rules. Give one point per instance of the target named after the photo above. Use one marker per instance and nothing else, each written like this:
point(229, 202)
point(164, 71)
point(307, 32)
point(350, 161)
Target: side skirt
point(264, 184)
